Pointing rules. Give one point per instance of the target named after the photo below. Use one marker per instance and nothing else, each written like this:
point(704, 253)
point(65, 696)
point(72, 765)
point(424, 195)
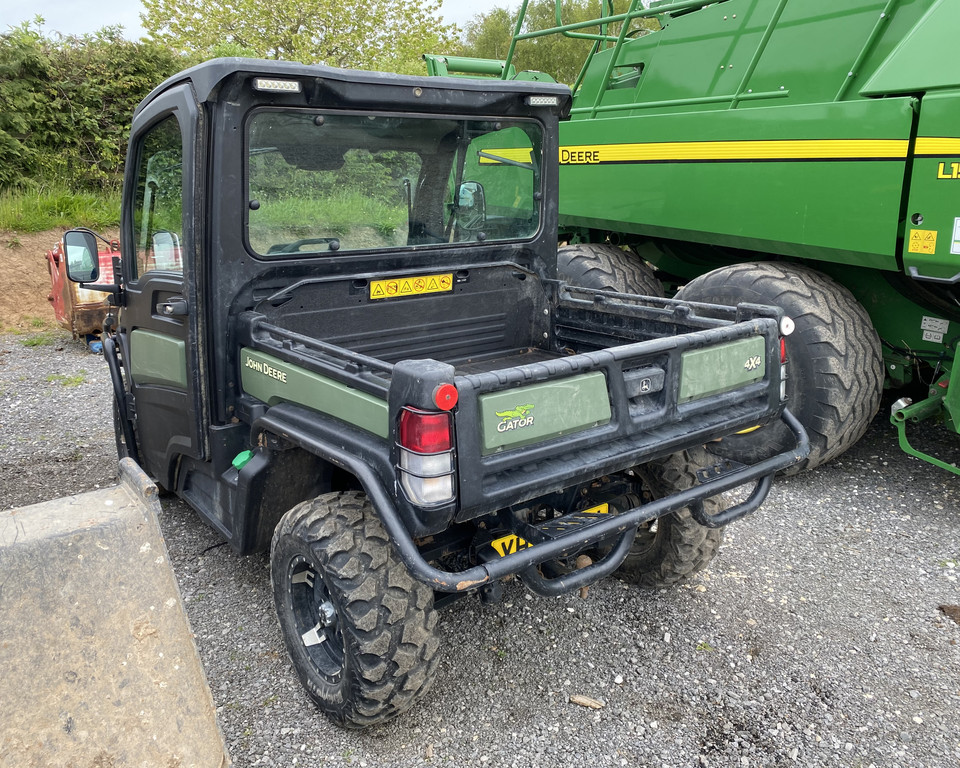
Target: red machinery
point(78, 310)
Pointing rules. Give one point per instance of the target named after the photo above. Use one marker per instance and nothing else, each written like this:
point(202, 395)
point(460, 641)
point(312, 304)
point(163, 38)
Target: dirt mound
point(24, 302)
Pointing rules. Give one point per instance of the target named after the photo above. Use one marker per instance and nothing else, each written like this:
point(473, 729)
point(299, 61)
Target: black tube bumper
point(621, 527)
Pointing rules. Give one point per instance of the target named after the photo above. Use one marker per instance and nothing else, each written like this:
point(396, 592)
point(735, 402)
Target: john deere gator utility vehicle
point(804, 153)
point(339, 336)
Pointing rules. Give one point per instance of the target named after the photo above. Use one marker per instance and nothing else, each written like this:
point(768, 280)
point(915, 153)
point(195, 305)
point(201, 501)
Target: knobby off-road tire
point(834, 358)
point(675, 546)
point(606, 267)
point(359, 629)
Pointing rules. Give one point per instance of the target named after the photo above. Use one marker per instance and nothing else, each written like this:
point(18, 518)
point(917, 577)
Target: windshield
point(328, 182)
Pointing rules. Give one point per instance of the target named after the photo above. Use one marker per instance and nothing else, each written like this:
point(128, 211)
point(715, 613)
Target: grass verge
point(45, 208)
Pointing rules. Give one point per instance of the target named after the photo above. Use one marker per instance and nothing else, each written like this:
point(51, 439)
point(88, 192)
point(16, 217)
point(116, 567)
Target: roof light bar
point(542, 101)
point(276, 86)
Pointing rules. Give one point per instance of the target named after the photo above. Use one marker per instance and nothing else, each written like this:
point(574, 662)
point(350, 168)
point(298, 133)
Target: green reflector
point(241, 459)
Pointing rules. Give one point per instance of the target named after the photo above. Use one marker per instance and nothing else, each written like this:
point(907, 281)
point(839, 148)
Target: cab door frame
point(161, 320)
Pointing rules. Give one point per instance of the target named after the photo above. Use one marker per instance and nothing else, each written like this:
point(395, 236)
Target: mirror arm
point(97, 235)
point(113, 289)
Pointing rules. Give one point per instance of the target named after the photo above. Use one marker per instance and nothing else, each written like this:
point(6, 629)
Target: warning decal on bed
point(410, 286)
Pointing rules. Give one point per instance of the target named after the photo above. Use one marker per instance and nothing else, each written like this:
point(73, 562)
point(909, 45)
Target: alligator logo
point(517, 413)
point(516, 418)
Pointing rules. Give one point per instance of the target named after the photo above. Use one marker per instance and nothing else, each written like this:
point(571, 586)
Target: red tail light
point(426, 466)
point(783, 349)
point(425, 432)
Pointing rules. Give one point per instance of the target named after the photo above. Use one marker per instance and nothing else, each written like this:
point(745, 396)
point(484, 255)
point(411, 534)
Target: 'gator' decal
point(515, 418)
point(518, 416)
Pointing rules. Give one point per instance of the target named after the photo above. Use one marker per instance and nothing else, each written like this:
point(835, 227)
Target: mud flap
point(97, 662)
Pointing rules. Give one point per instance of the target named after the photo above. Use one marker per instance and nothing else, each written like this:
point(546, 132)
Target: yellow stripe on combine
point(934, 145)
point(676, 151)
point(517, 155)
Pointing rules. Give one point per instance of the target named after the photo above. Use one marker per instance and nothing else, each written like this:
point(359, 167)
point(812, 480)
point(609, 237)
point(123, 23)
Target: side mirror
point(166, 250)
point(83, 260)
point(471, 205)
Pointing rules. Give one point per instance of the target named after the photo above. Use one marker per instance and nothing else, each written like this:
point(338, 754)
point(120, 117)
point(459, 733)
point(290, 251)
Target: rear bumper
point(622, 527)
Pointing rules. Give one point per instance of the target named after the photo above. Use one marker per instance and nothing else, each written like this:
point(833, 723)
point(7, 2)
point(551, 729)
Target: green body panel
point(540, 412)
point(807, 203)
point(766, 71)
point(925, 58)
point(935, 188)
point(273, 381)
point(710, 371)
point(746, 53)
point(156, 358)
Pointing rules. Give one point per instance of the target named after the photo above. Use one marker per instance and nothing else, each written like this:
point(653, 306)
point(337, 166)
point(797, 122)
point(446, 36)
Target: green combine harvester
point(803, 153)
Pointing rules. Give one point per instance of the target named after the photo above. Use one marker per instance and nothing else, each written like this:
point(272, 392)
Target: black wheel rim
point(316, 618)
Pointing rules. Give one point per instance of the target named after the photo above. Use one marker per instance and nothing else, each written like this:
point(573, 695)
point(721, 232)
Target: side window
point(158, 217)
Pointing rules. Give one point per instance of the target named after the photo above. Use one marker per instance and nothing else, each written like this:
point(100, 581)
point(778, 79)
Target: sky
point(77, 17)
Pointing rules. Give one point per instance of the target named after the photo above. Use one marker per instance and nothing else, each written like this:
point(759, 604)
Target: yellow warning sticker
point(410, 286)
point(923, 241)
point(600, 509)
point(507, 545)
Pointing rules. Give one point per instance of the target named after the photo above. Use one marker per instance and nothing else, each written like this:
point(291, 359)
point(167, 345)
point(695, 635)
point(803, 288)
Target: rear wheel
point(675, 546)
point(358, 627)
point(607, 268)
point(834, 359)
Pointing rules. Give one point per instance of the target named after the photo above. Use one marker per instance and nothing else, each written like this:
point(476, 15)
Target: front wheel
point(359, 629)
point(673, 547)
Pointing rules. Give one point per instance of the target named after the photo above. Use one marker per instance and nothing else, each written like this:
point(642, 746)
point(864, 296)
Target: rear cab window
point(325, 182)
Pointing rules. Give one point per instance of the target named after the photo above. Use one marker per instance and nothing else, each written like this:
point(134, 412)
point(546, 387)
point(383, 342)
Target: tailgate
point(554, 423)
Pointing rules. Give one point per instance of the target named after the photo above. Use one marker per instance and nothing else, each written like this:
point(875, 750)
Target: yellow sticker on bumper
point(507, 545)
point(410, 286)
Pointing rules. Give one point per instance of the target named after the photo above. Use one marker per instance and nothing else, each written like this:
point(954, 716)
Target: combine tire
point(834, 360)
point(358, 627)
point(675, 546)
point(607, 268)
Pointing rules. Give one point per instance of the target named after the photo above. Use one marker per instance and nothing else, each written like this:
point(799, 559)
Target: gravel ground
point(816, 638)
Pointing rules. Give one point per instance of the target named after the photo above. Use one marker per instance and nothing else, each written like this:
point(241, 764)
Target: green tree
point(100, 79)
point(25, 70)
point(67, 103)
point(488, 36)
point(390, 35)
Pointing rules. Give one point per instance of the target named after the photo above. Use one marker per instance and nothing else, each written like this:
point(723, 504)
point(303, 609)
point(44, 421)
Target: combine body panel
point(786, 128)
point(820, 142)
